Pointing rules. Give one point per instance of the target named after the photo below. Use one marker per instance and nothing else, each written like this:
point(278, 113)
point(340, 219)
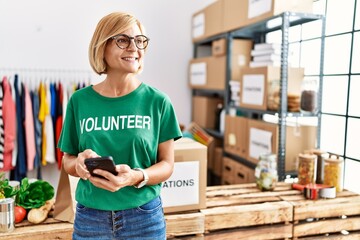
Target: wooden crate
point(185, 223)
point(326, 218)
point(50, 229)
point(244, 212)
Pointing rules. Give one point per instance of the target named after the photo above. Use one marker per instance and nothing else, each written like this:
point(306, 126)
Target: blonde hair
point(109, 26)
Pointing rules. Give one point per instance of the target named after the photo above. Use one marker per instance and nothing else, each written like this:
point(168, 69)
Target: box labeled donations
point(186, 188)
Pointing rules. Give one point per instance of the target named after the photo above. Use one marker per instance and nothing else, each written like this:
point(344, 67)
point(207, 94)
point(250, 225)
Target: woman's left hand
point(126, 177)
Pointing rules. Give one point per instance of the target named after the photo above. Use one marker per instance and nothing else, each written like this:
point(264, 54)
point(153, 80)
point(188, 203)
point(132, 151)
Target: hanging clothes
point(41, 116)
point(37, 131)
point(49, 129)
point(1, 129)
point(9, 121)
point(30, 124)
point(19, 172)
point(47, 126)
point(15, 149)
point(65, 98)
point(59, 123)
point(29, 131)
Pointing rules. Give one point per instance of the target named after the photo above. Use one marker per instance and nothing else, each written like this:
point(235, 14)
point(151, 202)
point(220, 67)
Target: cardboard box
point(186, 188)
point(213, 152)
point(218, 162)
point(208, 21)
point(218, 47)
point(241, 50)
point(204, 111)
point(235, 172)
point(238, 14)
point(235, 136)
point(255, 82)
point(263, 138)
point(210, 72)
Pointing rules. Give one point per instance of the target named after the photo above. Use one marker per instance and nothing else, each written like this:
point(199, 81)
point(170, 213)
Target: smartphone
point(103, 163)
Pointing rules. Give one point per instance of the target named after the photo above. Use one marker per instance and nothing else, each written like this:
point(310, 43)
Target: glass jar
point(309, 93)
point(321, 155)
point(273, 99)
point(266, 172)
point(307, 168)
point(333, 172)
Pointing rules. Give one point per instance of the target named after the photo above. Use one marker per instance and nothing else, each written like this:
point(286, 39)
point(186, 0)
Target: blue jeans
point(144, 222)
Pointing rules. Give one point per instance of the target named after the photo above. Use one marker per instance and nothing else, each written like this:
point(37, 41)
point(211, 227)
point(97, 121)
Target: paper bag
point(65, 203)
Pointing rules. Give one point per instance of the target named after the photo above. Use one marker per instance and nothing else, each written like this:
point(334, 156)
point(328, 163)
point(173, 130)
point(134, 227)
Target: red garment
point(9, 118)
point(29, 131)
point(58, 125)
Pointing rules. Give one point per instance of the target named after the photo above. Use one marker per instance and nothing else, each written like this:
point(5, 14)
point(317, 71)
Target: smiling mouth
point(130, 58)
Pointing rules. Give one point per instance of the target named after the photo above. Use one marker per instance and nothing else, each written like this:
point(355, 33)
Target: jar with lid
point(321, 155)
point(266, 172)
point(309, 94)
point(307, 168)
point(333, 172)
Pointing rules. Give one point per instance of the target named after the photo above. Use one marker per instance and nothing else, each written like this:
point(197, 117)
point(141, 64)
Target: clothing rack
point(46, 88)
point(48, 74)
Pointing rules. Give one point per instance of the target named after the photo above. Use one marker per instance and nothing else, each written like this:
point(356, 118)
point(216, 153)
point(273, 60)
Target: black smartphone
point(103, 163)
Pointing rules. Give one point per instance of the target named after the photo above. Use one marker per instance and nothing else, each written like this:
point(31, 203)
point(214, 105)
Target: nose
point(132, 46)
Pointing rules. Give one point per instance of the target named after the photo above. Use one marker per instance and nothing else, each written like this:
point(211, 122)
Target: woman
point(128, 120)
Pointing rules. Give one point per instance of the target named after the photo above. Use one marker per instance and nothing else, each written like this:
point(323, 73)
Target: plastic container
point(266, 172)
point(7, 215)
point(333, 172)
point(307, 168)
point(309, 95)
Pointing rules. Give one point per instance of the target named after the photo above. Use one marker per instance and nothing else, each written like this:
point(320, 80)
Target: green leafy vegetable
point(34, 195)
point(6, 191)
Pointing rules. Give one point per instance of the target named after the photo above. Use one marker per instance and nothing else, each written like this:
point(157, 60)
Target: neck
point(115, 87)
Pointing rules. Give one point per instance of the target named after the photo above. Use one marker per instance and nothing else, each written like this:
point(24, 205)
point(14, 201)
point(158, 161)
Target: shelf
point(274, 23)
point(240, 160)
point(252, 165)
point(248, 111)
point(208, 92)
point(257, 32)
point(214, 133)
point(210, 39)
point(269, 25)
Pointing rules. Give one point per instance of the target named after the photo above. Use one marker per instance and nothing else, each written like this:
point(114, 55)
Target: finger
point(123, 168)
point(104, 184)
point(105, 174)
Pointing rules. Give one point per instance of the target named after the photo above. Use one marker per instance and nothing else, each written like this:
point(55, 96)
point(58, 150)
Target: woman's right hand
point(80, 167)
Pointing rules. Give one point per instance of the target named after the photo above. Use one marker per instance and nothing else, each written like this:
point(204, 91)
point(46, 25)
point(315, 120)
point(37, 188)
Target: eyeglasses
point(123, 41)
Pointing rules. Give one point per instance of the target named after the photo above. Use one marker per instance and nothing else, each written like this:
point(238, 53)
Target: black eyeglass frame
point(130, 38)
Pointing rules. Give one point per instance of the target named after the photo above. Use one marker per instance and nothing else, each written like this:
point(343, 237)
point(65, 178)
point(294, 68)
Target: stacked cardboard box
point(210, 72)
point(227, 15)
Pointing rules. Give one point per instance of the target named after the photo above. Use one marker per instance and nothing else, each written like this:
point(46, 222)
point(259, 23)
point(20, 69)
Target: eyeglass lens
point(123, 41)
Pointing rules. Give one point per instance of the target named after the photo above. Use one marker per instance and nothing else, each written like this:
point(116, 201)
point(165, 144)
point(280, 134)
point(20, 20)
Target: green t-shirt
point(128, 128)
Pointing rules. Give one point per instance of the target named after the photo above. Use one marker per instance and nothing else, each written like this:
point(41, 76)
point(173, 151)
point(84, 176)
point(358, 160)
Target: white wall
point(53, 34)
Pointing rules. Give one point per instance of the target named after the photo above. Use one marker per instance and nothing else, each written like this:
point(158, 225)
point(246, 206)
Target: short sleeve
point(69, 139)
point(169, 125)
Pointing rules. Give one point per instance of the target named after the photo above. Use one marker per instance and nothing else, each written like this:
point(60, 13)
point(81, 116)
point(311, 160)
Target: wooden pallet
point(186, 223)
point(244, 212)
point(237, 212)
point(50, 229)
point(326, 218)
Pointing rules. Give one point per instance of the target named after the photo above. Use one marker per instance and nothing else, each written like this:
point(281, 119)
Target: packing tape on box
point(316, 191)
